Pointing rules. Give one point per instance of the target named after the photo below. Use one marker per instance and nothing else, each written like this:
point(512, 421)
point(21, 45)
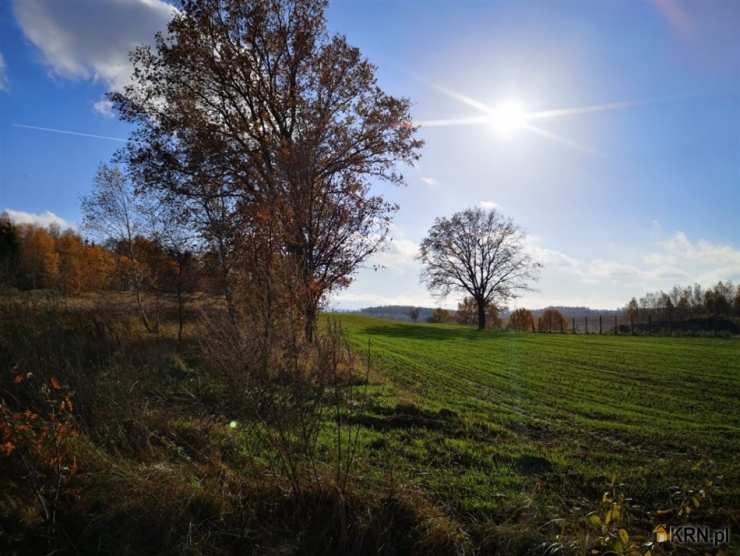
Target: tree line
point(681, 303)
point(36, 257)
point(693, 308)
point(466, 314)
point(520, 320)
point(33, 257)
point(686, 308)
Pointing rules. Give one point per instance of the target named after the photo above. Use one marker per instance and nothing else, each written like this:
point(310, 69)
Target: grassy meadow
point(497, 423)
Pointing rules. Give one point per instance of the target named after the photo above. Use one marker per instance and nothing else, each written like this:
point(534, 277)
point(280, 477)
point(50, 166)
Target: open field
point(468, 442)
point(485, 421)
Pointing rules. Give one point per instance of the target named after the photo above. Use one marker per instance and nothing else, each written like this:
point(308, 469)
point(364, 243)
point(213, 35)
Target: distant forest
point(403, 312)
point(690, 309)
point(397, 312)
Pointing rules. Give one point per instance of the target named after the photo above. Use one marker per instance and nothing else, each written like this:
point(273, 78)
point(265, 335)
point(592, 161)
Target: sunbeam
point(560, 139)
point(475, 120)
point(511, 116)
point(464, 99)
point(560, 112)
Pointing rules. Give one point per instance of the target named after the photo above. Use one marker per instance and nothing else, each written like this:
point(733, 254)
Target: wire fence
point(625, 324)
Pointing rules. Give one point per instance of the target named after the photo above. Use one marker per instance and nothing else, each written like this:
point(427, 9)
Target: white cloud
point(91, 39)
point(609, 282)
point(487, 205)
point(428, 180)
point(398, 254)
point(353, 300)
point(104, 108)
point(703, 260)
point(3, 76)
point(45, 219)
point(603, 281)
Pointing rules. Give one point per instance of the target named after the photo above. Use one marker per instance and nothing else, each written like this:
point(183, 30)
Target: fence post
point(562, 330)
point(573, 324)
point(600, 326)
point(650, 324)
point(586, 321)
point(616, 325)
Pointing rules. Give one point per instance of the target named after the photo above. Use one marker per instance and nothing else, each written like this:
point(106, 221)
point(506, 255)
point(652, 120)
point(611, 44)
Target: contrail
point(68, 132)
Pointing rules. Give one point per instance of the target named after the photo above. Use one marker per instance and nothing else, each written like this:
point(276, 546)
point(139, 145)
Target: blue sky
point(615, 202)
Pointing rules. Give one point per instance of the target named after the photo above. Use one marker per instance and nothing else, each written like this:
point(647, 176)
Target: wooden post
point(586, 321)
point(573, 324)
point(650, 324)
point(616, 325)
point(562, 330)
point(601, 328)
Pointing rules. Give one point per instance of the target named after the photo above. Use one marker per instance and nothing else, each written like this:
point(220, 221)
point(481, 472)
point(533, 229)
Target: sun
point(508, 117)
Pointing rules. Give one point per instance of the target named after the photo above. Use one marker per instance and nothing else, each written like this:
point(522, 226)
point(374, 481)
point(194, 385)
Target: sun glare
point(509, 117)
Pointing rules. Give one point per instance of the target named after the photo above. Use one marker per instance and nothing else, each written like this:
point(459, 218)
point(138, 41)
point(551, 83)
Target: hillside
point(401, 312)
point(396, 312)
point(578, 312)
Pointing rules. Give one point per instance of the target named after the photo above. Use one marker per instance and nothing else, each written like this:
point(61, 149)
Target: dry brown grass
point(158, 469)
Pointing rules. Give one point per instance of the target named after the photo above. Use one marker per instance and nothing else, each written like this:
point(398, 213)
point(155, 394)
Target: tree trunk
point(137, 286)
point(226, 278)
point(481, 315)
point(180, 302)
point(310, 323)
point(157, 309)
point(142, 311)
point(229, 297)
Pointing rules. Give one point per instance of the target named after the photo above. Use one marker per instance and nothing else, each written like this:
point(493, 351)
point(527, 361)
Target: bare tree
point(255, 106)
point(171, 227)
point(112, 211)
point(633, 311)
point(480, 253)
point(414, 314)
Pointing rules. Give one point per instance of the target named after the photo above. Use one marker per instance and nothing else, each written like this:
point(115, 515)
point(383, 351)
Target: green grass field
point(496, 422)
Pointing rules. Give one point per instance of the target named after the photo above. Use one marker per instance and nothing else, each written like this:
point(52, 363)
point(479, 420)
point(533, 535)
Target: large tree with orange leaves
point(551, 321)
point(269, 129)
point(521, 320)
point(39, 260)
